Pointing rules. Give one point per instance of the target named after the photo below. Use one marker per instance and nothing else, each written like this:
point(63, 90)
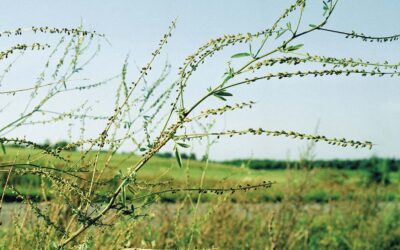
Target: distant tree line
point(191, 156)
point(359, 164)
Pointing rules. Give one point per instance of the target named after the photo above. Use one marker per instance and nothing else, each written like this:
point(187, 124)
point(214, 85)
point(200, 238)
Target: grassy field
point(304, 209)
point(322, 184)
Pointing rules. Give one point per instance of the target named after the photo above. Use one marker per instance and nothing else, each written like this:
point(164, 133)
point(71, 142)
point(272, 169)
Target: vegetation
point(306, 208)
point(329, 184)
point(391, 165)
point(85, 194)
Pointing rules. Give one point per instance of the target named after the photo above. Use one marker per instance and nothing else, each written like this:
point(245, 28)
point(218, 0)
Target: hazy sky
point(355, 108)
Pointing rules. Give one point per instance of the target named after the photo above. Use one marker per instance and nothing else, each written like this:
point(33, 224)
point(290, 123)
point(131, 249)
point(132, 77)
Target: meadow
point(305, 208)
point(323, 184)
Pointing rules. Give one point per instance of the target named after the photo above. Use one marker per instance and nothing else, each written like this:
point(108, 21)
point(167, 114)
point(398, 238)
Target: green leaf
point(295, 47)
point(280, 33)
point(325, 8)
point(313, 25)
point(221, 94)
point(132, 209)
point(183, 145)
point(325, 5)
point(227, 78)
point(240, 55)
point(178, 157)
point(220, 97)
point(3, 148)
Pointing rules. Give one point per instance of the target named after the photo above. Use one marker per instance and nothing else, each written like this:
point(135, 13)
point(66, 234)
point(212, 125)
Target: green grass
point(322, 184)
point(321, 208)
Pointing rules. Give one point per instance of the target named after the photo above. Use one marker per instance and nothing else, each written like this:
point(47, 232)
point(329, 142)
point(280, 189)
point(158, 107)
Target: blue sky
point(354, 107)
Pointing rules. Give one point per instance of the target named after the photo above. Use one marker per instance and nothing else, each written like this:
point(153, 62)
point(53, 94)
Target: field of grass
point(322, 184)
point(304, 209)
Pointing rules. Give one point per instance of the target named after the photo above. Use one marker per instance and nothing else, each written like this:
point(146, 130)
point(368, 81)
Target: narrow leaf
point(220, 97)
point(226, 79)
point(295, 47)
point(178, 157)
point(241, 55)
point(183, 145)
point(3, 148)
point(223, 93)
point(279, 34)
